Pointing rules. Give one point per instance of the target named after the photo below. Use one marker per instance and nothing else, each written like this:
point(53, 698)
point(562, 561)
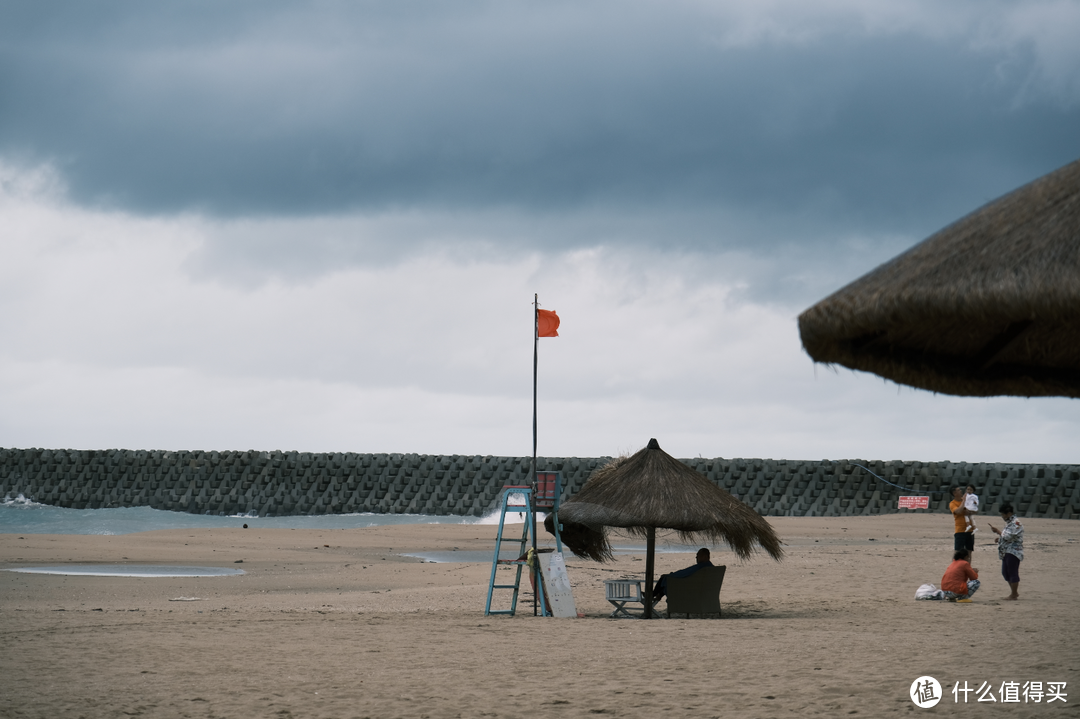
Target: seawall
point(284, 483)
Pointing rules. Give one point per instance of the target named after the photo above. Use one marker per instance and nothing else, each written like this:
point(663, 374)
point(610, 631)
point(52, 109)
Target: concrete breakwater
point(285, 483)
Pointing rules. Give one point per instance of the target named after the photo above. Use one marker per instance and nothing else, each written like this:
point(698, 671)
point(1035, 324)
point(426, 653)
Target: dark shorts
point(963, 540)
point(1010, 568)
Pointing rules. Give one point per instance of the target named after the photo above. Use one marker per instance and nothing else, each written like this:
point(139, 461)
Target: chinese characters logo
point(925, 692)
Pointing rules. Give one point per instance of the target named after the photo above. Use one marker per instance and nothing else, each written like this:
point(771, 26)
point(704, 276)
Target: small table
point(621, 592)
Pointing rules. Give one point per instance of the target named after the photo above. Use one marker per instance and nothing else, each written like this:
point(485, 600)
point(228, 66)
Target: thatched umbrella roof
point(653, 490)
point(987, 306)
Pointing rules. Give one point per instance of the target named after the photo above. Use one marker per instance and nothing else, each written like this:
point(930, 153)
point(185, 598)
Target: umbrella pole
point(650, 548)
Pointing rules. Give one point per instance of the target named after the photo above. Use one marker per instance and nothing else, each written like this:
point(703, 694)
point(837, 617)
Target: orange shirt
point(959, 520)
point(956, 576)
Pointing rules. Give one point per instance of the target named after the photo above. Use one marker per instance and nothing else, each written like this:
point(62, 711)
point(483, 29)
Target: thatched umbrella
point(987, 306)
point(652, 490)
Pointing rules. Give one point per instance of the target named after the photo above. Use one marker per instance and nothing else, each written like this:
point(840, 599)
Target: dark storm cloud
point(249, 109)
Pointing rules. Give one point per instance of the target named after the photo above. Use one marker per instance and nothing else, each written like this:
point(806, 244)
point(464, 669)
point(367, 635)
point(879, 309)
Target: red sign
point(914, 503)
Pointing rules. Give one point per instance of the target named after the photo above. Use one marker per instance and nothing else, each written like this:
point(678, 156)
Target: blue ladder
point(530, 521)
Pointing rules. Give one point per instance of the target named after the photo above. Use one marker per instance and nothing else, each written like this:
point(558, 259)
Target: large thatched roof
point(653, 489)
point(987, 306)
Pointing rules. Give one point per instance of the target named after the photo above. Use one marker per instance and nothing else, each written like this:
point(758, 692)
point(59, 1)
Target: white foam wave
point(20, 500)
point(492, 517)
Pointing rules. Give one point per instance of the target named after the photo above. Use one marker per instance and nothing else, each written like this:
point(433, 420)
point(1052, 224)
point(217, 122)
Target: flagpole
point(536, 347)
point(532, 517)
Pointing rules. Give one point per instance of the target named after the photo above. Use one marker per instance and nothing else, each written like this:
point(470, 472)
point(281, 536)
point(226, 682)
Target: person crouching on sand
point(1010, 548)
point(961, 580)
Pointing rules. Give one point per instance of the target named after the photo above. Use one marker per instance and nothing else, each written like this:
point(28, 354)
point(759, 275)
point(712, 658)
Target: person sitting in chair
point(661, 585)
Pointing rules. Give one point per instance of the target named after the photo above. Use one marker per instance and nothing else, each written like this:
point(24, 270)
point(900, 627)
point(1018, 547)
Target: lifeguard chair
point(544, 496)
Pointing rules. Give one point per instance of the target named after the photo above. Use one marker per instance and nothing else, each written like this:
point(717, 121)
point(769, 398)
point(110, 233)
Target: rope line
point(906, 489)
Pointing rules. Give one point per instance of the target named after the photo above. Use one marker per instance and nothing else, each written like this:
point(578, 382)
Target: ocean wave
point(20, 500)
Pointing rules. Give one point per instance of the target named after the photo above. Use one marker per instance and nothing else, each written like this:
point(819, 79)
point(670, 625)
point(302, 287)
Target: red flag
point(547, 323)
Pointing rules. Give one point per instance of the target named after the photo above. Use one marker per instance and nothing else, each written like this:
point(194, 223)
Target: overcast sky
point(320, 226)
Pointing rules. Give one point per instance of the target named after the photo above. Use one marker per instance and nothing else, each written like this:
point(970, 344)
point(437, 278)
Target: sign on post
point(914, 503)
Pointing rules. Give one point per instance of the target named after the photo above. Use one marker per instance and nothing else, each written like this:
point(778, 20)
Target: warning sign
point(914, 503)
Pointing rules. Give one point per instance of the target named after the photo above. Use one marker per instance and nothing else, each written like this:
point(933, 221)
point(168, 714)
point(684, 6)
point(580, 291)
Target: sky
point(320, 226)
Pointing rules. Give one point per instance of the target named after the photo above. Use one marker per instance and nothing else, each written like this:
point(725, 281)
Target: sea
point(19, 515)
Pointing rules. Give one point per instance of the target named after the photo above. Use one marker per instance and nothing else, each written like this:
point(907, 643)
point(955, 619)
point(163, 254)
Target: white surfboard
point(557, 589)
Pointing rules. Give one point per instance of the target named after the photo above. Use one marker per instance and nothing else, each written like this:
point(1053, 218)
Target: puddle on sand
point(129, 570)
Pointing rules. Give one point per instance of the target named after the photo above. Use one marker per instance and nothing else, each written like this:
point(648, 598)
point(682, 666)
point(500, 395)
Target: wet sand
point(337, 623)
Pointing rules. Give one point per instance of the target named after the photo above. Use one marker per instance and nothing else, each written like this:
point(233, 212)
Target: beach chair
point(620, 592)
point(697, 594)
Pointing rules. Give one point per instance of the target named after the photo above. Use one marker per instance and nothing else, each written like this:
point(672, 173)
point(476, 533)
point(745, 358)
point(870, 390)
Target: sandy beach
point(338, 623)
